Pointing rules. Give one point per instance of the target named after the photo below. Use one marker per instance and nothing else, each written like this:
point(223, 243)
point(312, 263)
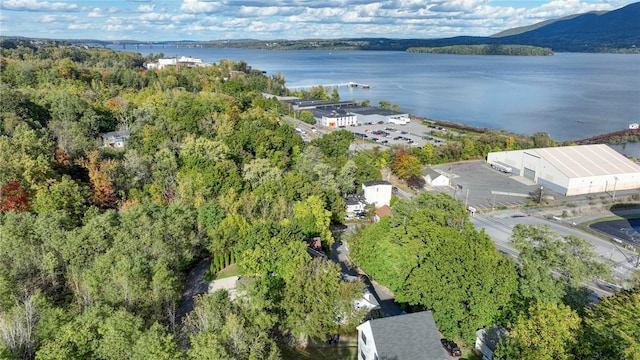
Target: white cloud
point(199, 6)
point(95, 13)
point(146, 8)
point(155, 17)
point(48, 19)
point(79, 26)
point(33, 5)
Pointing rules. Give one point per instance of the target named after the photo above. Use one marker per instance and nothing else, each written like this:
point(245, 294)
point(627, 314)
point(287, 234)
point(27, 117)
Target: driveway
point(195, 285)
point(340, 254)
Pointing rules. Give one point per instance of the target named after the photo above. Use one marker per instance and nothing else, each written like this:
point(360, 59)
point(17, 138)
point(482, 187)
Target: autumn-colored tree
point(406, 165)
point(13, 197)
point(102, 192)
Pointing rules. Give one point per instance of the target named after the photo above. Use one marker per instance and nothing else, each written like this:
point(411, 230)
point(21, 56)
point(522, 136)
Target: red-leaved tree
point(13, 197)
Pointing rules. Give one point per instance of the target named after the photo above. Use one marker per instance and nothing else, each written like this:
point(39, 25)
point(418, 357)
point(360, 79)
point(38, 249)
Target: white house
point(115, 139)
point(435, 178)
point(377, 192)
point(487, 340)
point(573, 170)
point(402, 337)
point(354, 206)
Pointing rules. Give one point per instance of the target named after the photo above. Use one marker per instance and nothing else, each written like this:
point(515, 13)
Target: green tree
point(64, 195)
point(219, 328)
point(335, 144)
point(316, 297)
point(431, 257)
point(26, 157)
point(612, 327)
point(547, 331)
point(259, 171)
point(156, 343)
point(313, 219)
point(543, 251)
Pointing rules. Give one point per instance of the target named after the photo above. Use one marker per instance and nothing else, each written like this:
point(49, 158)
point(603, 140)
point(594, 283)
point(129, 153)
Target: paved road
point(499, 226)
point(195, 285)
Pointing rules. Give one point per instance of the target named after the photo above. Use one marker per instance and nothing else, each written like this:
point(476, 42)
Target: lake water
point(570, 96)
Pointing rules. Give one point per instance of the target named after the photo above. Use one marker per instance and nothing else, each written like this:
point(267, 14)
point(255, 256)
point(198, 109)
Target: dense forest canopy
point(96, 241)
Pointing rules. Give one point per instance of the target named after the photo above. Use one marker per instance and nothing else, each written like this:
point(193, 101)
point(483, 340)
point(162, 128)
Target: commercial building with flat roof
point(573, 170)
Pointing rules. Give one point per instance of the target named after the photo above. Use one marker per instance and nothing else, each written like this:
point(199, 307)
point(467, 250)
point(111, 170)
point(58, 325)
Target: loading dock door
point(530, 174)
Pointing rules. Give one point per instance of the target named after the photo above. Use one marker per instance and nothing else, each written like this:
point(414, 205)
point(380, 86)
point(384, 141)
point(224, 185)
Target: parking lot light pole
point(466, 200)
point(614, 187)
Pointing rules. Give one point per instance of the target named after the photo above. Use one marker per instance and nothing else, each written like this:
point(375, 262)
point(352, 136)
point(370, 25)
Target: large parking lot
point(478, 185)
point(387, 134)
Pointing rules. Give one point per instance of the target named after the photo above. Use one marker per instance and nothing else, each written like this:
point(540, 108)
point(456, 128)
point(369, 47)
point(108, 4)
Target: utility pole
point(541, 195)
point(614, 187)
point(466, 199)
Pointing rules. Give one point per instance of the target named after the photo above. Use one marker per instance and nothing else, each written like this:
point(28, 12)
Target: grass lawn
point(231, 270)
point(322, 353)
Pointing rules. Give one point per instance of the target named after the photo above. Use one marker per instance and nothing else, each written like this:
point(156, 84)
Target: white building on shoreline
point(175, 61)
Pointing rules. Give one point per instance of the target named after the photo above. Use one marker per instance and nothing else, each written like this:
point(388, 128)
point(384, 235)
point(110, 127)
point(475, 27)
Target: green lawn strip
point(340, 352)
point(231, 270)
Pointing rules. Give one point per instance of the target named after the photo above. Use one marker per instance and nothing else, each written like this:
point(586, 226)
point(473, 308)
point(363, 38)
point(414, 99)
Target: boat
point(634, 126)
point(365, 86)
point(352, 84)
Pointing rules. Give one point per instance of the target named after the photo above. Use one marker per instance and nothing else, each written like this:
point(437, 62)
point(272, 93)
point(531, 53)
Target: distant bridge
point(603, 138)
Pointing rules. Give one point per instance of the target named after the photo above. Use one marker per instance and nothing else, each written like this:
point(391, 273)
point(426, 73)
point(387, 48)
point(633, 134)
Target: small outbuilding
point(434, 178)
point(572, 170)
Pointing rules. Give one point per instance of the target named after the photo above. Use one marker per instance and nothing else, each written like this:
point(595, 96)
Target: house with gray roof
point(404, 337)
point(435, 178)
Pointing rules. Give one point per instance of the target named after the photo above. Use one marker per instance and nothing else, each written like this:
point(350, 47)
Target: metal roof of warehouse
point(586, 160)
point(374, 110)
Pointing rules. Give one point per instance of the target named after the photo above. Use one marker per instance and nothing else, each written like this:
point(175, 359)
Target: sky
point(200, 20)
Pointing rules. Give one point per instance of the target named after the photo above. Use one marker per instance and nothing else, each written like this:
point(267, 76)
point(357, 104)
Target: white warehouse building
point(572, 170)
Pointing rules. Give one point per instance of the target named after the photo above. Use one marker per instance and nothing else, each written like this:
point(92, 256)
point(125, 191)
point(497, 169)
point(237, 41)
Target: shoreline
point(596, 139)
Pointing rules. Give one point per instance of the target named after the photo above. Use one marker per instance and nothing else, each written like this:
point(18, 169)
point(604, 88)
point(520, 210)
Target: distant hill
point(523, 29)
point(590, 32)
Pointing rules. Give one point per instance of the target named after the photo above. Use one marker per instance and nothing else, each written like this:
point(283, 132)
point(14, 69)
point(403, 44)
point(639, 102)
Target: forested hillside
point(96, 241)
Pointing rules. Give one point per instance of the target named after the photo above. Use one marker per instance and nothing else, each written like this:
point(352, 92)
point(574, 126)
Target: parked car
point(451, 347)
